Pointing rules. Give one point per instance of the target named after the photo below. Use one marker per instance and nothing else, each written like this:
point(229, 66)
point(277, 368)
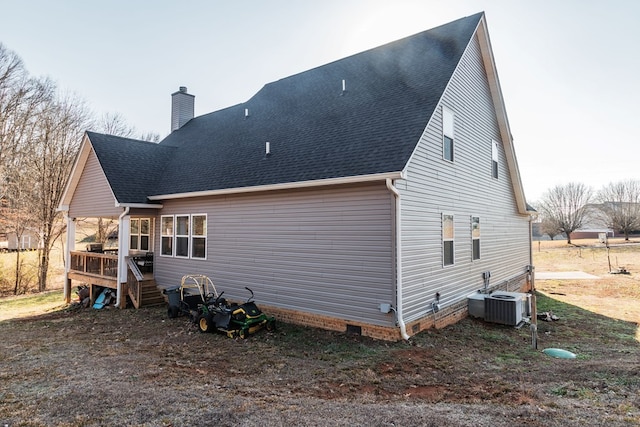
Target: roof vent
point(267, 148)
point(344, 86)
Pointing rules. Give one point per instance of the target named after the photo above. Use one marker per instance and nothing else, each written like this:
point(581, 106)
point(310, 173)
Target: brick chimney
point(181, 108)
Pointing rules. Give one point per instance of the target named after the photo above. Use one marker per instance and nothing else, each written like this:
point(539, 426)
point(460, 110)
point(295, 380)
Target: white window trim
point(139, 234)
point(176, 236)
point(190, 236)
point(448, 125)
point(452, 239)
point(479, 238)
point(495, 153)
point(173, 232)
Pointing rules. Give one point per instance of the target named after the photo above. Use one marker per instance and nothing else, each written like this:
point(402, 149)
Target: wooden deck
point(101, 269)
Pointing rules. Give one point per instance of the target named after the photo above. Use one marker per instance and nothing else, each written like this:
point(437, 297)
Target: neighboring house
point(593, 225)
point(9, 239)
point(597, 220)
point(350, 196)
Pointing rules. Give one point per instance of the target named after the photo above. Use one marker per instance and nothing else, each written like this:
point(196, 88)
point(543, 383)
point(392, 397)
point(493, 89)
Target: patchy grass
point(30, 305)
point(136, 367)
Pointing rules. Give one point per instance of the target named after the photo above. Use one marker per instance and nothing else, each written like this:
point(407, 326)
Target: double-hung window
point(494, 159)
point(475, 237)
point(166, 236)
point(447, 134)
point(199, 236)
point(140, 232)
point(184, 236)
point(447, 239)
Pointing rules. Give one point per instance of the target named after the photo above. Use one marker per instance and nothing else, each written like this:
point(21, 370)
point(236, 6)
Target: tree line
point(41, 129)
point(569, 207)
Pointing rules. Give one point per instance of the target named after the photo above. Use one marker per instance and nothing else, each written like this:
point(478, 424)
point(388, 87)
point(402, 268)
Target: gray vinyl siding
point(463, 188)
point(93, 196)
point(327, 251)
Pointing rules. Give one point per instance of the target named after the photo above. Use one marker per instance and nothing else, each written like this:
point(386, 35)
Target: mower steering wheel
point(217, 301)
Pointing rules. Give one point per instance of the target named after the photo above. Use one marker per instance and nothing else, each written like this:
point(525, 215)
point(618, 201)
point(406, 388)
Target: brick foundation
point(446, 316)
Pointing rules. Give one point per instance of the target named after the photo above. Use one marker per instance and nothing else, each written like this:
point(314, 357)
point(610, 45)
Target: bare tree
point(549, 228)
point(40, 133)
point(20, 101)
point(150, 136)
point(51, 154)
point(115, 124)
point(18, 219)
point(564, 206)
point(619, 206)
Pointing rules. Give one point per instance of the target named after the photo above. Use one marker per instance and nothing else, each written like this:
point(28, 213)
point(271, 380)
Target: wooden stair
point(151, 295)
point(142, 290)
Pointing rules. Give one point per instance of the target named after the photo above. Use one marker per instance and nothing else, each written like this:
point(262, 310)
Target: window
point(184, 236)
point(447, 134)
point(140, 232)
point(167, 236)
point(475, 237)
point(447, 239)
point(199, 236)
point(494, 159)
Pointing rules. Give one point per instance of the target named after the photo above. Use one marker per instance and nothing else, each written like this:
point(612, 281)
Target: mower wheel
point(205, 323)
point(242, 333)
point(271, 325)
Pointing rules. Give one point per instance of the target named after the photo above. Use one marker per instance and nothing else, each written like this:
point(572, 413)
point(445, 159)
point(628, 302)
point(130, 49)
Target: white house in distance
point(349, 197)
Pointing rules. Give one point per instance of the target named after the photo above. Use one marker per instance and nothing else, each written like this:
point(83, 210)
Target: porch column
point(71, 246)
point(124, 233)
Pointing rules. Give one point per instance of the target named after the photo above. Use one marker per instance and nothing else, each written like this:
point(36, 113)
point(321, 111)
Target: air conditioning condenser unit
point(506, 308)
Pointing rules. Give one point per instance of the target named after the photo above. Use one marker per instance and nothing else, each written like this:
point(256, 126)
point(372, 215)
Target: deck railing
point(99, 264)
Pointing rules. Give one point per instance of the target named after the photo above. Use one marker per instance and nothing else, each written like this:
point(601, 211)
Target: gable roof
point(318, 133)
point(132, 167)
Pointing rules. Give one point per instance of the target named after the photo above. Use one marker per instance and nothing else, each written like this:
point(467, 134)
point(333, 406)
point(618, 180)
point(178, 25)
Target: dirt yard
point(72, 367)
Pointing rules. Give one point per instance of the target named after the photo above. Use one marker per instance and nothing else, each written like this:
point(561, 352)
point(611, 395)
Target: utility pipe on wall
point(399, 312)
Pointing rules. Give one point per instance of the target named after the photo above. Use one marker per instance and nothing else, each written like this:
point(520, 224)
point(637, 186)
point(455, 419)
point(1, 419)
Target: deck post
point(124, 232)
point(71, 246)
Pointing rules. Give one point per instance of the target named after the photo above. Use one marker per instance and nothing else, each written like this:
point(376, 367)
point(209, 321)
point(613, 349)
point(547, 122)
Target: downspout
point(531, 275)
point(121, 255)
point(399, 314)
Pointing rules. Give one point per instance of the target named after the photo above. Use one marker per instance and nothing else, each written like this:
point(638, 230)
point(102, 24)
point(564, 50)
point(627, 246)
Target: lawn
point(83, 367)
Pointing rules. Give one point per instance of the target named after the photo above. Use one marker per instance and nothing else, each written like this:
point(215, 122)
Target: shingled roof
point(315, 129)
point(132, 167)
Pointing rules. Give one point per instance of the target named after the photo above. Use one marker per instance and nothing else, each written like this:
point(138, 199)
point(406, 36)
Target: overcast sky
point(569, 69)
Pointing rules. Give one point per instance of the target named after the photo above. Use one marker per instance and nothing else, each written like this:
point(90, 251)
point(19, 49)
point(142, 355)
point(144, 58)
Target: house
point(369, 194)
point(14, 234)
